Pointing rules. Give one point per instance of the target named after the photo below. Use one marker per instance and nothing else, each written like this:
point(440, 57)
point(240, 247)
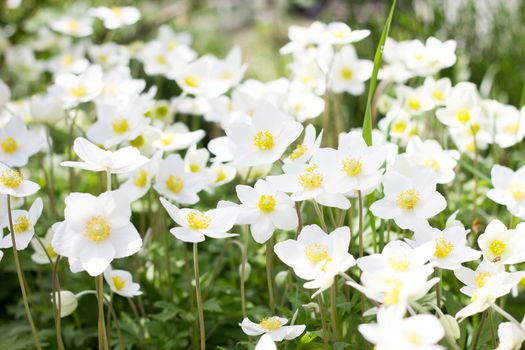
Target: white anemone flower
point(23, 226)
point(75, 89)
point(348, 73)
point(121, 283)
point(304, 151)
point(177, 137)
point(93, 158)
point(265, 343)
point(42, 254)
point(96, 230)
point(46, 109)
point(173, 182)
point(116, 17)
point(265, 139)
point(338, 33)
point(222, 172)
point(12, 183)
point(68, 302)
point(502, 245)
point(354, 166)
point(317, 256)
point(139, 181)
point(196, 225)
point(274, 326)
point(77, 27)
point(17, 143)
point(510, 335)
point(265, 209)
point(509, 189)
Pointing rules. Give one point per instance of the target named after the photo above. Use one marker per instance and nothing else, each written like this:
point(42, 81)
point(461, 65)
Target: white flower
point(463, 108)
point(195, 160)
point(501, 245)
point(139, 181)
point(17, 143)
point(414, 101)
point(509, 122)
point(110, 55)
point(177, 137)
point(5, 93)
point(116, 17)
point(409, 200)
point(509, 189)
point(265, 209)
point(201, 77)
point(302, 104)
point(12, 183)
point(438, 90)
point(430, 154)
point(121, 282)
point(173, 182)
point(222, 172)
point(119, 87)
point(74, 89)
point(78, 27)
point(511, 336)
point(121, 161)
point(392, 331)
point(353, 167)
point(71, 60)
point(23, 226)
point(317, 256)
point(340, 33)
point(265, 139)
point(195, 225)
point(304, 151)
point(265, 343)
point(68, 302)
point(47, 109)
point(40, 256)
point(274, 326)
point(96, 230)
point(348, 73)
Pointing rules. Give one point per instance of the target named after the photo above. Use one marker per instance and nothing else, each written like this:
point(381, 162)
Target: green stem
point(99, 284)
point(269, 274)
point(21, 279)
point(321, 216)
point(323, 320)
point(360, 201)
point(333, 310)
point(474, 343)
point(199, 298)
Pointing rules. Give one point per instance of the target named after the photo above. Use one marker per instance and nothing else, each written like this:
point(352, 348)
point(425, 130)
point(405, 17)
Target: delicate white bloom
point(317, 256)
point(304, 151)
point(399, 125)
point(509, 123)
point(23, 226)
point(5, 93)
point(414, 100)
point(173, 182)
point(265, 210)
point(121, 282)
point(40, 256)
point(119, 87)
point(501, 245)
point(74, 89)
point(96, 230)
point(438, 90)
point(509, 189)
point(12, 183)
point(93, 158)
point(116, 17)
point(68, 302)
point(510, 335)
point(77, 27)
point(47, 109)
point(348, 73)
point(462, 108)
point(302, 104)
point(265, 139)
point(177, 137)
point(222, 172)
point(72, 60)
point(274, 326)
point(17, 143)
point(139, 181)
point(265, 343)
point(340, 33)
point(109, 55)
point(195, 225)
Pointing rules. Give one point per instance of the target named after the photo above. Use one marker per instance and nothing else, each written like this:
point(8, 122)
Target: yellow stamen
point(194, 167)
point(11, 178)
point(497, 248)
point(413, 103)
point(197, 220)
point(9, 145)
point(270, 323)
point(141, 179)
point(399, 262)
point(263, 140)
point(120, 125)
point(192, 81)
point(175, 184)
point(408, 199)
point(346, 73)
point(21, 224)
point(97, 229)
point(266, 203)
point(311, 179)
point(298, 152)
point(443, 248)
point(316, 252)
point(482, 278)
point(118, 282)
point(78, 91)
point(463, 115)
point(352, 166)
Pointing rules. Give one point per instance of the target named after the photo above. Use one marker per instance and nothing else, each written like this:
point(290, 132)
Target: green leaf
point(367, 122)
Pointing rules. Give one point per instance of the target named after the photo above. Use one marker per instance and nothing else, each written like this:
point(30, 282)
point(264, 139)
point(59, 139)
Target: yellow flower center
point(391, 297)
point(141, 179)
point(463, 115)
point(346, 73)
point(408, 199)
point(72, 26)
point(512, 128)
point(118, 282)
point(481, 279)
point(497, 248)
point(161, 59)
point(399, 262)
point(51, 251)
point(352, 166)
point(192, 81)
point(266, 203)
point(175, 184)
point(270, 323)
point(197, 220)
point(413, 103)
point(120, 125)
point(11, 178)
point(166, 139)
point(138, 141)
point(316, 252)
point(78, 91)
point(221, 175)
point(311, 179)
point(66, 60)
point(432, 163)
point(443, 248)
point(517, 191)
point(413, 338)
point(399, 127)
point(226, 75)
point(297, 107)
point(97, 229)
point(298, 152)
point(9, 145)
point(194, 167)
point(339, 34)
point(438, 95)
point(21, 224)
point(116, 10)
point(307, 78)
point(263, 140)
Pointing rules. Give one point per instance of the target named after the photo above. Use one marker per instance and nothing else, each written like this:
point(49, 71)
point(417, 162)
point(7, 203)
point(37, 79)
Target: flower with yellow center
point(21, 224)
point(161, 59)
point(399, 262)
point(263, 140)
point(11, 178)
point(413, 103)
point(141, 179)
point(352, 166)
point(51, 251)
point(408, 199)
point(66, 60)
point(497, 248)
point(443, 248)
point(192, 81)
point(316, 252)
point(391, 297)
point(78, 91)
point(298, 152)
point(432, 163)
point(399, 127)
point(194, 168)
point(118, 282)
point(72, 25)
point(438, 95)
point(413, 338)
point(482, 278)
point(270, 323)
point(517, 191)
point(9, 145)
point(220, 175)
point(463, 115)
point(97, 229)
point(197, 220)
point(120, 125)
point(346, 73)
point(311, 178)
point(512, 128)
point(266, 203)
point(166, 139)
point(174, 184)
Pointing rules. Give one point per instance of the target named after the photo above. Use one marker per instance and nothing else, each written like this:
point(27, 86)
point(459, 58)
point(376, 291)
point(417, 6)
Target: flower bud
point(280, 278)
point(451, 326)
point(68, 302)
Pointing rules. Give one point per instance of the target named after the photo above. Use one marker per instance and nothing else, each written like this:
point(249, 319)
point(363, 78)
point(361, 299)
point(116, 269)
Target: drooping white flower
point(68, 302)
point(40, 256)
point(196, 225)
point(265, 209)
point(96, 230)
point(509, 189)
point(265, 139)
point(121, 282)
point(23, 226)
point(17, 143)
point(274, 326)
point(123, 160)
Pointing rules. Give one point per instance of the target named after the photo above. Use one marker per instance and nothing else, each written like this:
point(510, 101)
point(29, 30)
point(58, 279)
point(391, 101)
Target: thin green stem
point(200, 309)
point(360, 203)
point(333, 310)
point(269, 273)
point(321, 216)
point(21, 279)
point(323, 320)
point(99, 284)
point(475, 340)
